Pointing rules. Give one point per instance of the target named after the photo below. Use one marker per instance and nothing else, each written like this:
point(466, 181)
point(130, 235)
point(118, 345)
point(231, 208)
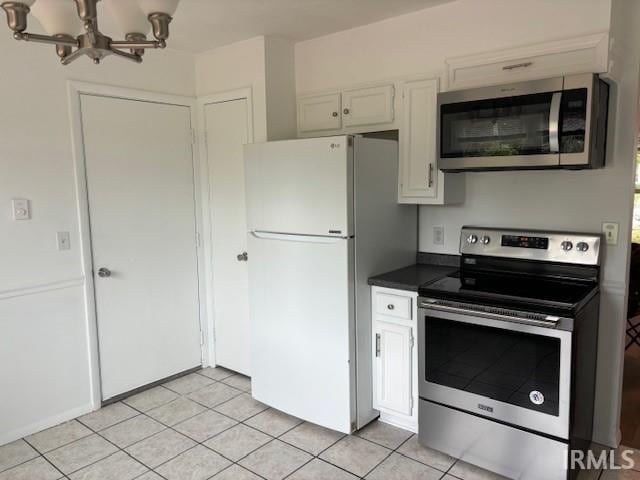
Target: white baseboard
point(7, 437)
point(398, 421)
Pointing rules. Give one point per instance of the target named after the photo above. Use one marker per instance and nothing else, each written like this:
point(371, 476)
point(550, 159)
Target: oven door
point(515, 373)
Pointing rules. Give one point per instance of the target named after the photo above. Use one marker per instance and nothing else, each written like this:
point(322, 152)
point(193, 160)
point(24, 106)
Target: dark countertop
point(411, 277)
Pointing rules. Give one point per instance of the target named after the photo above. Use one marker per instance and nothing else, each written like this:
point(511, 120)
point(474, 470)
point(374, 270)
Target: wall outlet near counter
point(438, 235)
point(610, 230)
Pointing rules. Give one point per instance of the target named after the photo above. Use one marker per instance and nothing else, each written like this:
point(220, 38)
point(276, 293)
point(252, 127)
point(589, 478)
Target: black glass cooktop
point(531, 293)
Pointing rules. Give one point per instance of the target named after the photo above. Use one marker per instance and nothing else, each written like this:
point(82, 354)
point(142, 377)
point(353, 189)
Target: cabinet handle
point(346, 111)
point(517, 65)
point(377, 344)
point(391, 306)
point(334, 114)
point(430, 179)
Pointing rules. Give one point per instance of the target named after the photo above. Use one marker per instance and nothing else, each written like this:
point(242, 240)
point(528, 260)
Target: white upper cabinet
point(585, 54)
point(319, 113)
point(367, 106)
point(420, 181)
point(352, 111)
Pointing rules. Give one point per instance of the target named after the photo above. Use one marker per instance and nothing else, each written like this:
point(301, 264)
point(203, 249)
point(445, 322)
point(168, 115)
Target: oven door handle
point(551, 323)
point(554, 122)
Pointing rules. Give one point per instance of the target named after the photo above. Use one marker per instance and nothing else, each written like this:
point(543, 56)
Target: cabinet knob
point(391, 306)
point(346, 111)
point(334, 114)
point(243, 257)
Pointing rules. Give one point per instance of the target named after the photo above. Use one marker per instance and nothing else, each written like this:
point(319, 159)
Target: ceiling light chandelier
point(72, 26)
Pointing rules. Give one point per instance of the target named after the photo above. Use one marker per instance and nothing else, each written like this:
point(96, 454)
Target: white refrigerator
point(322, 217)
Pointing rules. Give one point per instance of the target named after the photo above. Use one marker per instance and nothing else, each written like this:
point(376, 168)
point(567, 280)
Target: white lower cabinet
point(395, 358)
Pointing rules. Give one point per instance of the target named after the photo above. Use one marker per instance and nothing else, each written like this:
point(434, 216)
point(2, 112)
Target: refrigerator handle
point(290, 237)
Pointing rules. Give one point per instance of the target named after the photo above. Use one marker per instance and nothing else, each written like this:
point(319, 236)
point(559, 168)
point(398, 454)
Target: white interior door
point(140, 184)
point(226, 132)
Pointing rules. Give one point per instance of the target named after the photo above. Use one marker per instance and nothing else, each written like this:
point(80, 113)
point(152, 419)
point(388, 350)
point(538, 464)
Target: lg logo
point(335, 145)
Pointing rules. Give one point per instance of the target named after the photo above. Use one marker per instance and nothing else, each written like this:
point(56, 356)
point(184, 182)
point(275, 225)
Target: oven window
point(496, 127)
point(513, 367)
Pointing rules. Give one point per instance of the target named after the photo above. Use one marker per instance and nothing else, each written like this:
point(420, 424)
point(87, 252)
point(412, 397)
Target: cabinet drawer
point(393, 305)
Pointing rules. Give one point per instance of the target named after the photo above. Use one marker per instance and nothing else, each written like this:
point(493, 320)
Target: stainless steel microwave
point(554, 123)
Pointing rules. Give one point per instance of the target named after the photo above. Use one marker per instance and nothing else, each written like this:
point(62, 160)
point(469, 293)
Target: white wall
point(266, 64)
point(418, 43)
point(280, 79)
point(44, 352)
point(235, 66)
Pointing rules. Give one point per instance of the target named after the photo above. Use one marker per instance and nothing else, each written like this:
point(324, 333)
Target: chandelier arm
point(71, 57)
point(137, 44)
point(129, 56)
point(51, 40)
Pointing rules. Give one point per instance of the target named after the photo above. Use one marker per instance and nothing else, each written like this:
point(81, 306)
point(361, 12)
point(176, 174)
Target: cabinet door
point(321, 112)
point(393, 386)
point(418, 167)
point(367, 106)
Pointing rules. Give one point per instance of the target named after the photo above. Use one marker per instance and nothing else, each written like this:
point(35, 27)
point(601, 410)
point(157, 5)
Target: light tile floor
point(205, 425)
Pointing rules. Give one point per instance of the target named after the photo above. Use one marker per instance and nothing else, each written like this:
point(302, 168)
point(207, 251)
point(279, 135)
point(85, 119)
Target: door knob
point(104, 272)
point(243, 257)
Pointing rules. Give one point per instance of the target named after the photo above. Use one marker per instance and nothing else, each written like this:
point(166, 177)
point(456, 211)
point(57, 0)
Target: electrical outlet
point(64, 241)
point(438, 235)
point(610, 230)
point(21, 209)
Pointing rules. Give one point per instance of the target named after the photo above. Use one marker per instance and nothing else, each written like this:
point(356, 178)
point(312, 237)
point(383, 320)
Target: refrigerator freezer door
point(300, 186)
point(302, 327)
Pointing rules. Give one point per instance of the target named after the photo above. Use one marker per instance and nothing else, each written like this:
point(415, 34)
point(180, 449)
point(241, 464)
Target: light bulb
point(159, 6)
point(129, 16)
point(58, 17)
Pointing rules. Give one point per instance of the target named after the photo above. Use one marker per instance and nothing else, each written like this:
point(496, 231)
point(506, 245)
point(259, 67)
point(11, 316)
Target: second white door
point(227, 130)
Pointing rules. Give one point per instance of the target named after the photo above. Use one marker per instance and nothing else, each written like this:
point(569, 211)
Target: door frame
point(209, 348)
point(75, 89)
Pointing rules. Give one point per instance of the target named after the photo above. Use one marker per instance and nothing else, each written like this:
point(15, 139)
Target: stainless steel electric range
point(507, 352)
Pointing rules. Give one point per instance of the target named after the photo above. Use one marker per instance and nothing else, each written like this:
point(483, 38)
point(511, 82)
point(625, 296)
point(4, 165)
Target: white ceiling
point(201, 25)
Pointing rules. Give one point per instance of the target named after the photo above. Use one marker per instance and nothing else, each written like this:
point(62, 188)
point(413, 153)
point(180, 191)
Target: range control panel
point(562, 247)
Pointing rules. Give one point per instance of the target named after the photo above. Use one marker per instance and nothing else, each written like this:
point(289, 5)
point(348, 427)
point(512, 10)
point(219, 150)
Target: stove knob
point(566, 245)
point(472, 239)
point(485, 240)
point(582, 246)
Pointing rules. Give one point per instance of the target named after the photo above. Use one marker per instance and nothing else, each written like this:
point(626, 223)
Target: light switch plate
point(64, 241)
point(438, 235)
point(21, 209)
point(610, 230)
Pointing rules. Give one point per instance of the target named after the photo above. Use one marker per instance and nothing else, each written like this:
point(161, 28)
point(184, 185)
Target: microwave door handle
point(554, 123)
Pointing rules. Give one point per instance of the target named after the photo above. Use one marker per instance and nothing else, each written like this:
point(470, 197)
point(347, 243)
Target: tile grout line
point(64, 475)
point(169, 427)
